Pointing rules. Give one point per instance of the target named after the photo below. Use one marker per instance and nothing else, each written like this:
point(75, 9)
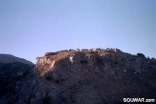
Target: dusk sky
point(29, 28)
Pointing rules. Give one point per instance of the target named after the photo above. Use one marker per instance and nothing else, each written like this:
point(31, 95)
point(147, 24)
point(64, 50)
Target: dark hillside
point(87, 76)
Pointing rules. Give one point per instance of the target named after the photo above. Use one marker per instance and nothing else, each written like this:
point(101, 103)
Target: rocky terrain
point(87, 76)
point(12, 71)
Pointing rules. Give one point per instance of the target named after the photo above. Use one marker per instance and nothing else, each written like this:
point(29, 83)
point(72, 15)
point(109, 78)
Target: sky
point(30, 28)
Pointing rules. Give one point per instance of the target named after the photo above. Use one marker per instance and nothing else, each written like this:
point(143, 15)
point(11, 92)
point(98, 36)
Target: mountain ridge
point(8, 58)
point(87, 76)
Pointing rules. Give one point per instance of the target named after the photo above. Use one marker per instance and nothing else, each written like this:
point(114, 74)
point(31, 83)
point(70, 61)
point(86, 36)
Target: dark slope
point(94, 76)
point(7, 58)
point(11, 72)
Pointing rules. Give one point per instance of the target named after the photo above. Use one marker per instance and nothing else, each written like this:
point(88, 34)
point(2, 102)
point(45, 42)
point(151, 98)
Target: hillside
point(12, 71)
point(8, 58)
point(87, 76)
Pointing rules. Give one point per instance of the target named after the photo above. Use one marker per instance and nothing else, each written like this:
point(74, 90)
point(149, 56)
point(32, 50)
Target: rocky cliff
point(87, 76)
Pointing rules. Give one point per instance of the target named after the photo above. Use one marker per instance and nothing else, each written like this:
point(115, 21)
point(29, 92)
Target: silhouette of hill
point(7, 58)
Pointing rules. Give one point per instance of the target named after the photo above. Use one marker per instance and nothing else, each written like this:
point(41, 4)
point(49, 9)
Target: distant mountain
point(7, 58)
point(87, 76)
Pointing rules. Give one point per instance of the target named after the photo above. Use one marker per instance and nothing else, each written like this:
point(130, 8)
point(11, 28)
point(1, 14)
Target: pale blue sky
point(29, 28)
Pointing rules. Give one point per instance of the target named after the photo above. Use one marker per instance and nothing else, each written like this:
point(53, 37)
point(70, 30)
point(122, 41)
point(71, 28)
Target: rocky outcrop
point(108, 59)
point(87, 76)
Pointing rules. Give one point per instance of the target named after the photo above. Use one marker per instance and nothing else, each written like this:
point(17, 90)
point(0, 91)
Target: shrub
point(140, 55)
point(48, 78)
point(84, 61)
point(47, 100)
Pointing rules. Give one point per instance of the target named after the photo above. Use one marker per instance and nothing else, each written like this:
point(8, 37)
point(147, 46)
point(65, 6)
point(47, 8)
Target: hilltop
point(87, 76)
point(8, 58)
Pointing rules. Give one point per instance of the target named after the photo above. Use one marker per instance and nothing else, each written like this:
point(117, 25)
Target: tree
point(141, 55)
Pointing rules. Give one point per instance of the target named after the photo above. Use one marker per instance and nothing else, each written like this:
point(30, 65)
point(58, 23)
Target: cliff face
point(94, 76)
point(100, 60)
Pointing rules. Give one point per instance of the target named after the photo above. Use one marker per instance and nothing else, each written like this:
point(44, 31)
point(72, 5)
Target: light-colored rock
point(125, 71)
